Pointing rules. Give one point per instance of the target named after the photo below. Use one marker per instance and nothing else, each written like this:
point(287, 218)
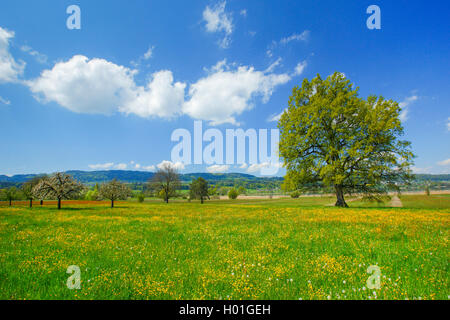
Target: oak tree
point(330, 136)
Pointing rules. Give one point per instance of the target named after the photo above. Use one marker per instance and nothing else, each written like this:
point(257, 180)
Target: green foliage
point(141, 197)
point(330, 136)
point(199, 189)
point(233, 194)
point(241, 190)
point(295, 194)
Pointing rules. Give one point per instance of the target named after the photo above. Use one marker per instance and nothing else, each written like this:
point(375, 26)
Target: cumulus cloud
point(162, 97)
point(148, 168)
point(10, 69)
point(166, 163)
point(421, 170)
point(81, 85)
point(98, 86)
point(121, 166)
point(217, 168)
point(226, 92)
point(444, 162)
point(257, 167)
point(243, 166)
point(4, 101)
point(217, 20)
point(404, 106)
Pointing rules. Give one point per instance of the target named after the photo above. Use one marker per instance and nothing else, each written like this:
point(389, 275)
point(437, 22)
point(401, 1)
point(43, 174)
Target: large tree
point(114, 190)
point(59, 186)
point(199, 189)
point(330, 136)
point(166, 181)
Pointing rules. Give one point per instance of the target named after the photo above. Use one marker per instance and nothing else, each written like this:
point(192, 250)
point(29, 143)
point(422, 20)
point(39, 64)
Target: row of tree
point(61, 186)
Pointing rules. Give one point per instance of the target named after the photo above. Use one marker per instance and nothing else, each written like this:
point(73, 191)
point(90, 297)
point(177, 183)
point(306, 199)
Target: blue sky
point(110, 94)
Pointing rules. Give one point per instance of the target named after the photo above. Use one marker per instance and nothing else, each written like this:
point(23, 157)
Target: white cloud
point(217, 20)
point(448, 124)
point(217, 168)
point(176, 165)
point(225, 93)
point(121, 166)
point(81, 85)
point(162, 97)
point(149, 168)
point(421, 170)
point(404, 107)
point(98, 86)
point(304, 36)
point(149, 53)
point(4, 101)
point(40, 57)
point(101, 166)
point(444, 162)
point(299, 68)
point(243, 12)
point(273, 65)
point(257, 166)
point(10, 70)
point(243, 166)
point(275, 117)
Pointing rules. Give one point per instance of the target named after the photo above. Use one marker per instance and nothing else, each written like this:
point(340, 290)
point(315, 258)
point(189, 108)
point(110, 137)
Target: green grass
point(244, 249)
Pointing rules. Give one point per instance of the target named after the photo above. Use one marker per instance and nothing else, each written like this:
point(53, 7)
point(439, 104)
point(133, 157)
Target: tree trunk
point(166, 199)
point(59, 204)
point(10, 202)
point(201, 200)
point(340, 197)
point(42, 202)
point(31, 203)
point(112, 203)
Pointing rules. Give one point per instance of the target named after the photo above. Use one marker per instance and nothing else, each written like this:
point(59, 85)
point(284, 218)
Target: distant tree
point(11, 194)
point(165, 182)
point(329, 135)
point(93, 194)
point(141, 197)
point(59, 186)
point(233, 194)
point(241, 190)
point(114, 190)
point(295, 194)
point(27, 189)
point(199, 189)
point(427, 188)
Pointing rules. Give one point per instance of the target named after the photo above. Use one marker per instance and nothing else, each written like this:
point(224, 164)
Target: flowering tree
point(114, 190)
point(60, 186)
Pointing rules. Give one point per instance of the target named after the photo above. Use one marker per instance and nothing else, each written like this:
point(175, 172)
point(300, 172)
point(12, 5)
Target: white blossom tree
point(114, 190)
point(59, 186)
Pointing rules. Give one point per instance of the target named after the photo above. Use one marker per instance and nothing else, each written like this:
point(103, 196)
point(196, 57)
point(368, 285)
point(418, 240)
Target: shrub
point(140, 197)
point(295, 194)
point(233, 194)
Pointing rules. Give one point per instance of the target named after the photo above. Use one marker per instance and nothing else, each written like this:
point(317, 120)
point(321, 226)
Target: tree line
point(165, 184)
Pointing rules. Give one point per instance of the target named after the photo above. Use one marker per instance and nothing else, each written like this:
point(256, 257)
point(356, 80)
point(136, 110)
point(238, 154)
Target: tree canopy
point(114, 190)
point(59, 186)
point(165, 182)
point(199, 189)
point(331, 136)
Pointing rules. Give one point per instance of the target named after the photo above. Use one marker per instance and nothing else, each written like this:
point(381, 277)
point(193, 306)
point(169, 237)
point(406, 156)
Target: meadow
point(243, 249)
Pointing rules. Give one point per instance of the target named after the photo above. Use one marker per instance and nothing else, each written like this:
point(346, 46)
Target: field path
point(396, 202)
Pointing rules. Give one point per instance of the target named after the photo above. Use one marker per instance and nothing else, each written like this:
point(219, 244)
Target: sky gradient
point(109, 96)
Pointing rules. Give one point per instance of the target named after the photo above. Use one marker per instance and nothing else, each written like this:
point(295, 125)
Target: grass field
point(244, 249)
